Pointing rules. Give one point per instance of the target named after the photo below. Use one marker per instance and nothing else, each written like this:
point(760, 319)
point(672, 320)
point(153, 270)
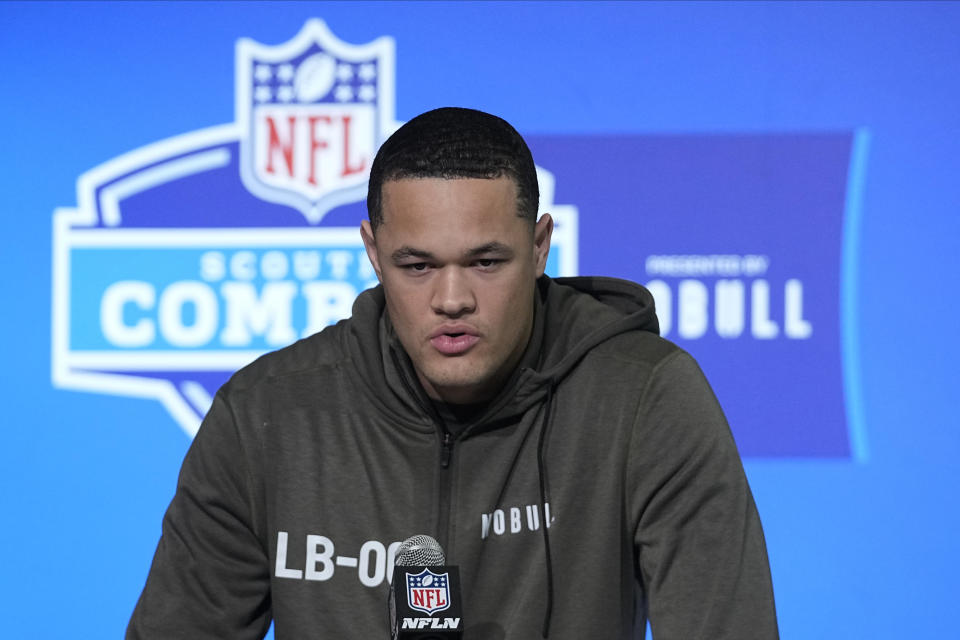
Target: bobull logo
point(187, 259)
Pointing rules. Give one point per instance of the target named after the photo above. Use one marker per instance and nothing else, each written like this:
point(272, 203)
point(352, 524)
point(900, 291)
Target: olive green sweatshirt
point(601, 488)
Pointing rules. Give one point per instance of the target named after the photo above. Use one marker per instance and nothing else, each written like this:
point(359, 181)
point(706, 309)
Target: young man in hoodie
point(574, 465)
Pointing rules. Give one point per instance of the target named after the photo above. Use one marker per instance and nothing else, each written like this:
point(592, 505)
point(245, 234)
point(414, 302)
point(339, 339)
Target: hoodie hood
point(577, 323)
point(572, 316)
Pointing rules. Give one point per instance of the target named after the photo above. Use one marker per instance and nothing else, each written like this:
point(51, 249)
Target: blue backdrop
point(819, 136)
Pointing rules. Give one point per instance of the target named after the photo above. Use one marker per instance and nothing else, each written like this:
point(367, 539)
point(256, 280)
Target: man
point(573, 464)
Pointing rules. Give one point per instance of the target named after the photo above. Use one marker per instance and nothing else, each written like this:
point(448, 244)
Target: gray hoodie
point(601, 487)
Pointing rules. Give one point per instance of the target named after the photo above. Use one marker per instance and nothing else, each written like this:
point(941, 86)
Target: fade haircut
point(452, 142)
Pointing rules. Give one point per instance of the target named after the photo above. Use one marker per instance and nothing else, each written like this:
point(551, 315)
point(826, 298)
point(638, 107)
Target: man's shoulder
point(644, 358)
point(312, 355)
point(637, 348)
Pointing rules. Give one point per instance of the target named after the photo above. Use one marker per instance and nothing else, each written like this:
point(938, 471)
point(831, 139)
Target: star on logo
point(262, 94)
point(263, 73)
point(367, 93)
point(344, 72)
point(285, 72)
point(343, 93)
point(285, 93)
point(367, 72)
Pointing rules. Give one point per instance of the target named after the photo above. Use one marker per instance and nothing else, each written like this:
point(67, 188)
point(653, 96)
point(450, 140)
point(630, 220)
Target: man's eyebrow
point(497, 248)
point(405, 252)
point(488, 248)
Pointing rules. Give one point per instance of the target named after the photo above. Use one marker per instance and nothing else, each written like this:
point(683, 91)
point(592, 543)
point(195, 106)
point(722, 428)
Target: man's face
point(458, 266)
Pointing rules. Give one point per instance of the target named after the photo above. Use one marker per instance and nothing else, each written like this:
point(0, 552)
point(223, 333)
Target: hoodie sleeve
point(699, 543)
point(210, 574)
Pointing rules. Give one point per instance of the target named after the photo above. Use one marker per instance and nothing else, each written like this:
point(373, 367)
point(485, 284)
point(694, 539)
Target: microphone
point(425, 599)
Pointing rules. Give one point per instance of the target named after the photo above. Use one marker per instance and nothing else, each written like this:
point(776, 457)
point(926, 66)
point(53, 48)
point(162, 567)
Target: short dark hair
point(452, 142)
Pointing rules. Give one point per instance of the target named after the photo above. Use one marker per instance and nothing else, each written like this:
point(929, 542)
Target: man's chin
point(458, 387)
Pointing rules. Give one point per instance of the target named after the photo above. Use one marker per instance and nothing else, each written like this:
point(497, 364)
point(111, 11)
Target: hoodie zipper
point(446, 455)
point(446, 449)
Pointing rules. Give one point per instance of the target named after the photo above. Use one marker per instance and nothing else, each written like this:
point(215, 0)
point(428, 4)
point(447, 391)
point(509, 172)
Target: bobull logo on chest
point(314, 111)
point(428, 591)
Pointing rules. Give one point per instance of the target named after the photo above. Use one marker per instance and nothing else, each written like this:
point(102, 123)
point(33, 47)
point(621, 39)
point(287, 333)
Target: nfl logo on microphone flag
point(428, 591)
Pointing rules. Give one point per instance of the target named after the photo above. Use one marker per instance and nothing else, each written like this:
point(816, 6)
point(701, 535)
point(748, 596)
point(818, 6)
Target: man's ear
point(541, 242)
point(370, 244)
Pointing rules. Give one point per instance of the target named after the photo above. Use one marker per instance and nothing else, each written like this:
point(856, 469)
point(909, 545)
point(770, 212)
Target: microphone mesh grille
point(421, 551)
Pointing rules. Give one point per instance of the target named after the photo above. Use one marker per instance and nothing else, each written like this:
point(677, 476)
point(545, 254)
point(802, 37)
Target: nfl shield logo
point(312, 113)
point(428, 591)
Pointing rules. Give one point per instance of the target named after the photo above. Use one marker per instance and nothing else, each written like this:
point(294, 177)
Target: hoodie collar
point(571, 317)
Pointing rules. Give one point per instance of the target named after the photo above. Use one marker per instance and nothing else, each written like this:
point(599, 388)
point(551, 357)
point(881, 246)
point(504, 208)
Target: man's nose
point(453, 294)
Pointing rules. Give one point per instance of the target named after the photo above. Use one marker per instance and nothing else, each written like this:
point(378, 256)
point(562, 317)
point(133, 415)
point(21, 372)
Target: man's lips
point(453, 340)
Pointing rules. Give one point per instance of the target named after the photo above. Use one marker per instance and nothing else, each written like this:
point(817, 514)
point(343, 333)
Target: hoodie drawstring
point(542, 471)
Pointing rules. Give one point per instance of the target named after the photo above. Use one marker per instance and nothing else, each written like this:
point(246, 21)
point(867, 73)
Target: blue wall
point(859, 548)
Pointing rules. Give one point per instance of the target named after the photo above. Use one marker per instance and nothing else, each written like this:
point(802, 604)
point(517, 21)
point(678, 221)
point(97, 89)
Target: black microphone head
point(419, 551)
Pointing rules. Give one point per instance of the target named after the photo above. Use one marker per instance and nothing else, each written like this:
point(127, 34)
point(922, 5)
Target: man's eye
point(416, 266)
point(486, 263)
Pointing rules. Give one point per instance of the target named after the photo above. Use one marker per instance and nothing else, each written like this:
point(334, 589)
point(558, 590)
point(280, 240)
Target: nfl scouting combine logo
point(186, 259)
